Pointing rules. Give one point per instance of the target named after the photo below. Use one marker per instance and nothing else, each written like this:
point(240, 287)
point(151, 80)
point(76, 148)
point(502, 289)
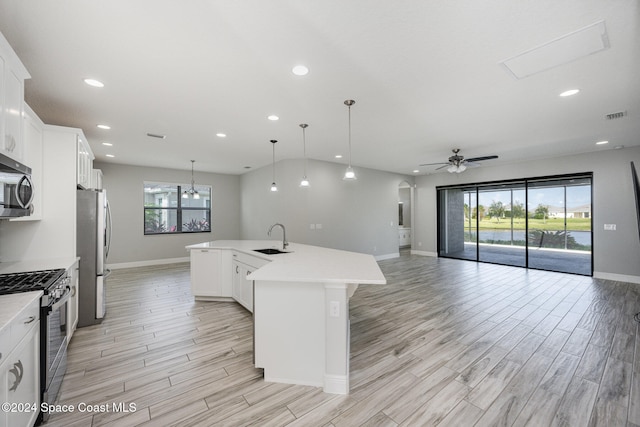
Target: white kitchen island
point(300, 304)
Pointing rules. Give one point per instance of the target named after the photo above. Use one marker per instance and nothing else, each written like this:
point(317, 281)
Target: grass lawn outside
point(551, 224)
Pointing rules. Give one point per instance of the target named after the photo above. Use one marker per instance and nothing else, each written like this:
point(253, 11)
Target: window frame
point(179, 209)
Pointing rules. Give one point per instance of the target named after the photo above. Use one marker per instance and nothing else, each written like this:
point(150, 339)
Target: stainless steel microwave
point(16, 188)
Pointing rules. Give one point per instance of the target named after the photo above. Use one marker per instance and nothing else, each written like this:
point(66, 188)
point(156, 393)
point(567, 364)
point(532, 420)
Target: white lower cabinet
point(243, 287)
point(243, 265)
point(221, 275)
point(210, 273)
point(72, 306)
point(19, 371)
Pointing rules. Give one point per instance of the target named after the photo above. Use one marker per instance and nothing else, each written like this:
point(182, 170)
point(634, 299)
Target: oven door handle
point(65, 297)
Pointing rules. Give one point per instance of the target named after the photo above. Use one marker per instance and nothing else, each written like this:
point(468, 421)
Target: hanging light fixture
point(192, 191)
point(274, 187)
point(305, 180)
point(349, 174)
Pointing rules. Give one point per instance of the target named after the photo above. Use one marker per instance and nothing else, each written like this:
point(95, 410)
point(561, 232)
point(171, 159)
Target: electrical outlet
point(312, 226)
point(318, 226)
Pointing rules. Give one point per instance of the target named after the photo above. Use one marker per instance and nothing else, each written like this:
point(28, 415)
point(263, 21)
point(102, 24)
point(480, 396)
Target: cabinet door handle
point(17, 371)
point(237, 271)
point(30, 320)
point(248, 273)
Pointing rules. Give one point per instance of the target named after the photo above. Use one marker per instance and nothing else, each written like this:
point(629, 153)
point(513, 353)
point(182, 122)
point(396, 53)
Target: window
point(166, 211)
point(543, 223)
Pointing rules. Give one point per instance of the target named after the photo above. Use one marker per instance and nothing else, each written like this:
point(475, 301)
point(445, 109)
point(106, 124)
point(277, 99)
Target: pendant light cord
point(304, 147)
point(349, 105)
point(192, 180)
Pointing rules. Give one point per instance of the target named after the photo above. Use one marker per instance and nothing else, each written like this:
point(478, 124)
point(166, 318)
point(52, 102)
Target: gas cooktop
point(11, 283)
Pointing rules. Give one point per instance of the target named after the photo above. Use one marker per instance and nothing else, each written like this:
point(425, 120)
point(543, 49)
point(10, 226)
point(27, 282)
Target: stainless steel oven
point(56, 288)
point(55, 329)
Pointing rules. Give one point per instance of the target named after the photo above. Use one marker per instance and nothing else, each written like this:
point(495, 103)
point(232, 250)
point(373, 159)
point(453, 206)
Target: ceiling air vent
point(617, 115)
point(155, 135)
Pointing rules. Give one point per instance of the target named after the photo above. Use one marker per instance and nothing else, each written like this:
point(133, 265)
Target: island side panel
point(337, 337)
point(289, 327)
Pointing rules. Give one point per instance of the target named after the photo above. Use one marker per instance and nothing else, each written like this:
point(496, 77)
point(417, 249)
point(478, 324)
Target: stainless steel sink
point(271, 251)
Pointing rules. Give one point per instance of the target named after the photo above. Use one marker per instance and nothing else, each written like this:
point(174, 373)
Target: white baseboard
point(336, 384)
point(147, 263)
point(424, 253)
point(387, 256)
point(616, 277)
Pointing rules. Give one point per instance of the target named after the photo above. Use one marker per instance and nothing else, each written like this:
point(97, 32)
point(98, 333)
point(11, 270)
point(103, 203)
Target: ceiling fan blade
point(432, 164)
point(479, 159)
point(444, 165)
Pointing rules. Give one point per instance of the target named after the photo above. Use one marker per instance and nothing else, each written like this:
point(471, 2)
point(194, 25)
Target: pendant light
point(192, 191)
point(274, 187)
point(305, 180)
point(349, 174)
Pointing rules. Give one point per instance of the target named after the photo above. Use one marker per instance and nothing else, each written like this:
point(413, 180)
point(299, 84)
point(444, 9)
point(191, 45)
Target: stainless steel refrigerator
point(92, 246)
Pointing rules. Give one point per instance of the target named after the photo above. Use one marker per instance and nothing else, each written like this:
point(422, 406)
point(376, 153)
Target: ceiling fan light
point(452, 169)
point(461, 168)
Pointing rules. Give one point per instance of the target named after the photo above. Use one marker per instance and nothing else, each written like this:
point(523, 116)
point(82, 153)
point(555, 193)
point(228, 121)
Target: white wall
point(360, 216)
point(616, 253)
point(124, 186)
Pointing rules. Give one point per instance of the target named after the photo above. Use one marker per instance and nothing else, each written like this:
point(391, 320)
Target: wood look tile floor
point(446, 342)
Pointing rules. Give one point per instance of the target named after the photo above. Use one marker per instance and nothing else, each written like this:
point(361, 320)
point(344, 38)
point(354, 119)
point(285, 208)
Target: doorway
point(405, 208)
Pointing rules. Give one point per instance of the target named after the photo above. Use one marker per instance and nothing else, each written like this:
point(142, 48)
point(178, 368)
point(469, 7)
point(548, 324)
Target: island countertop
point(305, 263)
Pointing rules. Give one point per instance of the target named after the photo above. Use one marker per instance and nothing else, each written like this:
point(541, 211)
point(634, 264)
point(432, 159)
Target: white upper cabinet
point(96, 179)
point(12, 77)
point(32, 156)
point(84, 163)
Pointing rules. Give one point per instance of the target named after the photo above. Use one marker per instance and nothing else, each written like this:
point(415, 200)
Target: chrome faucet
point(284, 234)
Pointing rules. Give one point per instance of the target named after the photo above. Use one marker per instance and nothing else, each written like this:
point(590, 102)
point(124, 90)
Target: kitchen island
point(299, 299)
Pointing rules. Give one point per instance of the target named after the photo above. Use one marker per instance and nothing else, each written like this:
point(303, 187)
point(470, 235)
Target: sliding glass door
point(502, 228)
point(542, 223)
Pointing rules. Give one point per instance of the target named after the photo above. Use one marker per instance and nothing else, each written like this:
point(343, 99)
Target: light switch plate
point(334, 309)
point(610, 227)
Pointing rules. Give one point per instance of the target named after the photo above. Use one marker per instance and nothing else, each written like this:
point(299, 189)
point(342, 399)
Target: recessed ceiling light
point(602, 142)
point(110, 155)
point(416, 170)
point(300, 70)
point(618, 147)
point(94, 82)
point(221, 135)
point(569, 92)
point(106, 127)
point(273, 117)
point(338, 156)
point(108, 144)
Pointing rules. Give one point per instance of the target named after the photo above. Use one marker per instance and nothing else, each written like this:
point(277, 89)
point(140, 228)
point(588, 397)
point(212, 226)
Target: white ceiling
point(425, 75)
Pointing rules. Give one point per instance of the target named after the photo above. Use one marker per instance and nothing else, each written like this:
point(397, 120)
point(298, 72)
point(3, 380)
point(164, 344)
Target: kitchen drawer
point(250, 260)
point(27, 318)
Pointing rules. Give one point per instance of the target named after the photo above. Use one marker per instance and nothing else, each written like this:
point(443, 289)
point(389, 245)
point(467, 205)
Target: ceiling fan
point(457, 163)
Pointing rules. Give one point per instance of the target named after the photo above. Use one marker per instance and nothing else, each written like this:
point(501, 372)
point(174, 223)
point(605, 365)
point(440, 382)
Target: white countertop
point(11, 305)
point(37, 264)
point(305, 263)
